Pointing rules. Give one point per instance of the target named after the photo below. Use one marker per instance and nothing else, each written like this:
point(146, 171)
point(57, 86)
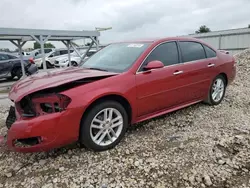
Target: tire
point(41, 67)
point(88, 133)
point(74, 64)
point(17, 72)
point(48, 65)
point(211, 100)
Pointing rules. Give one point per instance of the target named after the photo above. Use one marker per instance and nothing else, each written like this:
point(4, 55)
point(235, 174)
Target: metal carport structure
point(19, 36)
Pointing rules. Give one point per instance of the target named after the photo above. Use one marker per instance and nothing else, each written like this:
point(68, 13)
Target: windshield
point(115, 57)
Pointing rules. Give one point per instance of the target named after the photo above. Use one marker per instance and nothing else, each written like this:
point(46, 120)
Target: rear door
point(198, 70)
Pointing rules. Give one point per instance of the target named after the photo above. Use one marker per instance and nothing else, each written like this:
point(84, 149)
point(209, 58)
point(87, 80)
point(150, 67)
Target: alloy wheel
point(106, 126)
point(218, 89)
point(74, 64)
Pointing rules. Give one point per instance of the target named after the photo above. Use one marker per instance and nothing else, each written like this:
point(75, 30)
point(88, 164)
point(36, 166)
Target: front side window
point(167, 53)
point(62, 52)
point(192, 51)
point(117, 57)
point(210, 52)
point(90, 53)
point(56, 53)
point(47, 50)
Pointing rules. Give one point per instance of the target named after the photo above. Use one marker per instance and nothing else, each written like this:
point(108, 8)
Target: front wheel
point(74, 64)
point(104, 126)
point(48, 65)
point(17, 72)
point(217, 90)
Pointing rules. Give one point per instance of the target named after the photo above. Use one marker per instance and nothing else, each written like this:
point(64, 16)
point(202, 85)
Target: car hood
point(50, 79)
point(62, 58)
point(75, 58)
point(40, 59)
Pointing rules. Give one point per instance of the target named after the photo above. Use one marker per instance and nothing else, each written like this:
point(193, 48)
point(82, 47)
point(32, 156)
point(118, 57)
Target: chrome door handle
point(177, 72)
point(210, 65)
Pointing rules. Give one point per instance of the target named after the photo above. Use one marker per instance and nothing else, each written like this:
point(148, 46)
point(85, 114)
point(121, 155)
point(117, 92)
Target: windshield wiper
point(92, 68)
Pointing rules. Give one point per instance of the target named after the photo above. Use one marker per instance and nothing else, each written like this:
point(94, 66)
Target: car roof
point(160, 40)
point(7, 53)
point(152, 40)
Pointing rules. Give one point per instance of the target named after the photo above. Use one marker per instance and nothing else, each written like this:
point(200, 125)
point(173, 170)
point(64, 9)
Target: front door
point(4, 65)
point(160, 88)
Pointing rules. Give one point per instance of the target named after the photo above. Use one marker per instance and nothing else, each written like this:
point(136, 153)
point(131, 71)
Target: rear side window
point(167, 53)
point(210, 52)
point(192, 51)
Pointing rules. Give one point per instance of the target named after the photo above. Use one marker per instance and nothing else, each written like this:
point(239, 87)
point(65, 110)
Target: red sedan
point(122, 84)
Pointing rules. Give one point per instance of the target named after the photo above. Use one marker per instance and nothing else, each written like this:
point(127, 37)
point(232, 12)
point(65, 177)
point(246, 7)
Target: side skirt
point(165, 111)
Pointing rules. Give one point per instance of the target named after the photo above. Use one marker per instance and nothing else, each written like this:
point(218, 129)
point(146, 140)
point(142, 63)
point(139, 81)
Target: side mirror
point(51, 55)
point(154, 65)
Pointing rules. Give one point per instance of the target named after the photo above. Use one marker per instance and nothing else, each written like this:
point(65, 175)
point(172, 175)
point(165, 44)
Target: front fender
point(85, 95)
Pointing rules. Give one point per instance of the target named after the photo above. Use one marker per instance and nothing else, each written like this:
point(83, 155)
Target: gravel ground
point(199, 146)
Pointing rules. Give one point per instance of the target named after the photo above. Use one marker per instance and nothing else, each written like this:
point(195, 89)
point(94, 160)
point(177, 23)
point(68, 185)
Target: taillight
point(31, 60)
point(51, 103)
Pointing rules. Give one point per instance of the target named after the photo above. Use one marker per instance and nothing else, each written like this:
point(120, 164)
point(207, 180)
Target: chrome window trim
point(181, 62)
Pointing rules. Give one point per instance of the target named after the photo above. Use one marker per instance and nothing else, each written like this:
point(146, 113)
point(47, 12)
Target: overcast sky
point(130, 19)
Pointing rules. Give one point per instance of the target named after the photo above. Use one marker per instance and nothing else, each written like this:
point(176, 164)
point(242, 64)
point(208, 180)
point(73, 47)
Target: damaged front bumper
point(44, 133)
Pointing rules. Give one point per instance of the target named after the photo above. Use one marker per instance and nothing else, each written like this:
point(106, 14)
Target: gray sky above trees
point(130, 19)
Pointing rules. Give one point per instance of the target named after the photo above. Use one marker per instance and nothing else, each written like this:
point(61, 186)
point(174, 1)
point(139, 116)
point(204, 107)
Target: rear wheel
point(104, 126)
point(217, 90)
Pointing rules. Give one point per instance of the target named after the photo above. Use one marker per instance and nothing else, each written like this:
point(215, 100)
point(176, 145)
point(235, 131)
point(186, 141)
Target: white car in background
point(37, 52)
point(51, 57)
point(74, 58)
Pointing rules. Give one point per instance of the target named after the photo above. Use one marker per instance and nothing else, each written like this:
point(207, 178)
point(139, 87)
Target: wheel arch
point(47, 61)
point(73, 62)
point(15, 67)
point(114, 97)
point(225, 77)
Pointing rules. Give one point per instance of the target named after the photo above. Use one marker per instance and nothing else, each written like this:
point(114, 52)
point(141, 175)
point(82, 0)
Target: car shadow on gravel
point(165, 117)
